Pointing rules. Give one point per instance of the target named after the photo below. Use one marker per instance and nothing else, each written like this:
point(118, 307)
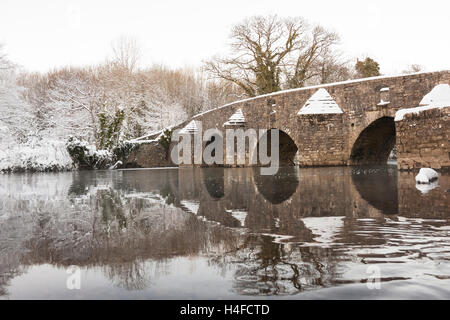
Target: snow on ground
point(437, 98)
point(426, 175)
point(325, 229)
point(320, 103)
point(45, 156)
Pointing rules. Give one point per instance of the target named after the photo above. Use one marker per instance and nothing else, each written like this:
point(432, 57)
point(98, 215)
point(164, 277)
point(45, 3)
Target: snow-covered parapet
point(320, 103)
point(437, 98)
point(190, 128)
point(426, 175)
point(237, 119)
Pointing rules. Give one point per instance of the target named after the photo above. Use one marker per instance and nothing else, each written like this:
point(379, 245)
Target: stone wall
point(322, 140)
point(423, 140)
point(148, 155)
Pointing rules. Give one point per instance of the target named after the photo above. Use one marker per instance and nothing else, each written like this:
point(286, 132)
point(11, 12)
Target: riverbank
point(46, 156)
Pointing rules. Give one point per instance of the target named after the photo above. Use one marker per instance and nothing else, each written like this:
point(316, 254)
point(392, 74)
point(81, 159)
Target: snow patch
point(116, 165)
point(383, 103)
point(425, 188)
point(236, 119)
point(48, 155)
point(191, 206)
point(426, 175)
point(324, 228)
point(239, 215)
point(320, 103)
point(278, 238)
point(190, 128)
point(437, 98)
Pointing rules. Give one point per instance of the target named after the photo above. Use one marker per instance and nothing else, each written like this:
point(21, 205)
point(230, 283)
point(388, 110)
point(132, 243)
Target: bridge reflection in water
point(236, 232)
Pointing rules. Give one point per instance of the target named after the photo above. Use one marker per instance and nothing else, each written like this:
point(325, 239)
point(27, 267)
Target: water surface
point(224, 233)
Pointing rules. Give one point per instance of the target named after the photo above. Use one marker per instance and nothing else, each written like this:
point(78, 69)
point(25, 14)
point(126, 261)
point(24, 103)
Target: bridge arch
point(279, 187)
point(216, 138)
point(214, 181)
point(374, 143)
point(287, 147)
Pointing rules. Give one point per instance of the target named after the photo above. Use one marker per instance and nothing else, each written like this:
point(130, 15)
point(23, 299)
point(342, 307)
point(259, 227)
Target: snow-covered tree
point(15, 113)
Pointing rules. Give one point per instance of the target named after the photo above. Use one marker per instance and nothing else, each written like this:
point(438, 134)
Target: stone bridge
point(345, 123)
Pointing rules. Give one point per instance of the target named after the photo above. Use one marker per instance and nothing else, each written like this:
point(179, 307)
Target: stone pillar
point(423, 140)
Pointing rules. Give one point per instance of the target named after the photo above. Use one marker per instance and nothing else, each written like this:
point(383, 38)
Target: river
point(214, 233)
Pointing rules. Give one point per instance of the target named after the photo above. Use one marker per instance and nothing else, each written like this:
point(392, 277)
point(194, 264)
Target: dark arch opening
point(287, 147)
point(214, 180)
point(375, 143)
point(279, 187)
point(215, 137)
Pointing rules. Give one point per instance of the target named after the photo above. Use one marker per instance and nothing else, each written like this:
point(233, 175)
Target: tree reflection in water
point(132, 224)
point(268, 268)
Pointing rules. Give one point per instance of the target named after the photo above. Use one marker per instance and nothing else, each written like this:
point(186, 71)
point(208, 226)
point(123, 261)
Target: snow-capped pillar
point(322, 139)
point(235, 123)
point(193, 134)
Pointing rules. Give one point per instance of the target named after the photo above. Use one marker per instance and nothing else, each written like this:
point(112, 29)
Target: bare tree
point(313, 55)
point(331, 67)
point(126, 53)
point(15, 113)
point(259, 47)
point(5, 64)
point(413, 69)
point(270, 53)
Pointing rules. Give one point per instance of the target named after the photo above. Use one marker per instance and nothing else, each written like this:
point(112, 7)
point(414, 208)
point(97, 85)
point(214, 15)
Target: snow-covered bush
point(165, 139)
point(49, 155)
point(86, 156)
point(123, 149)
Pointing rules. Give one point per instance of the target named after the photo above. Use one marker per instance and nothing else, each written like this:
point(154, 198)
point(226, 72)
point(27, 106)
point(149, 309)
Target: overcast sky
point(43, 34)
